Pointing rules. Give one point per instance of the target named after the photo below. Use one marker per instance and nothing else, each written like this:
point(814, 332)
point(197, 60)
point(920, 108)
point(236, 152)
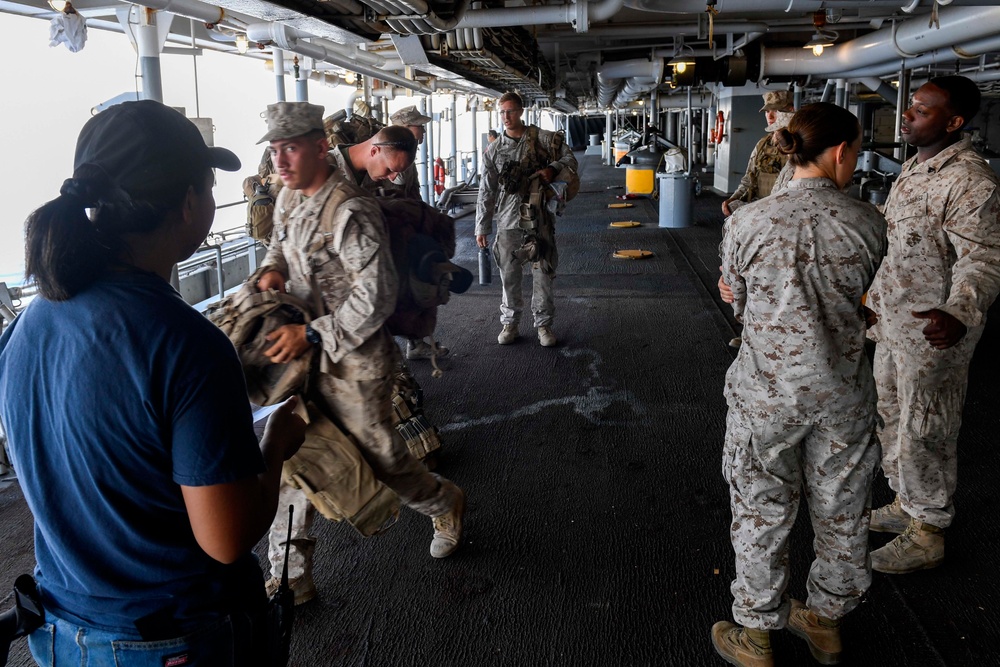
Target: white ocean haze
point(48, 94)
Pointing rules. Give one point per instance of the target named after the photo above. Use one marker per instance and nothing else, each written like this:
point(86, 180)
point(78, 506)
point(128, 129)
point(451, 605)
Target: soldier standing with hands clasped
point(940, 276)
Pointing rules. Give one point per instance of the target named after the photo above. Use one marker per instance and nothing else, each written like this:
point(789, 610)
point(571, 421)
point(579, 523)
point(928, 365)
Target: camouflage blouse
point(333, 251)
point(798, 263)
point(944, 247)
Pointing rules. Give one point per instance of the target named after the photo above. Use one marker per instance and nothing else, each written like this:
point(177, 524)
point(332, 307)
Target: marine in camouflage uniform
point(331, 248)
point(766, 161)
point(801, 396)
point(944, 255)
point(407, 396)
point(508, 166)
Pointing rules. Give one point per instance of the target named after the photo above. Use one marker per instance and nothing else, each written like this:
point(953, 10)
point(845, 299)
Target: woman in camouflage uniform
point(801, 394)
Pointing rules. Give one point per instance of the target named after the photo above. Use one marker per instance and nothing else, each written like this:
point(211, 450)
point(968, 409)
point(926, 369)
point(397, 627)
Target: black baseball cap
point(136, 143)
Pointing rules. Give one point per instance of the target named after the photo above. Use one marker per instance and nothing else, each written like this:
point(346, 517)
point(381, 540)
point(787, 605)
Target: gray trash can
point(675, 199)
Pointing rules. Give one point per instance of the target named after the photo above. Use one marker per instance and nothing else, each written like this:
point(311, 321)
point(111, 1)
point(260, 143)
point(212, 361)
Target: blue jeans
point(225, 642)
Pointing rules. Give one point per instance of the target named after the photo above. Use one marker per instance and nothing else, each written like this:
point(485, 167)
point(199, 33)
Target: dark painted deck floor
point(597, 526)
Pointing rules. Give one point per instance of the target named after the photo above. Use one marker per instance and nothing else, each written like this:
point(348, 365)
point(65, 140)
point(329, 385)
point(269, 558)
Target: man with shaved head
point(940, 276)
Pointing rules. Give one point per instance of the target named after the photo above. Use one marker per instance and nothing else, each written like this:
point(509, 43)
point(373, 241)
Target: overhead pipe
point(326, 78)
point(967, 50)
point(981, 76)
point(801, 6)
point(689, 29)
point(290, 39)
point(195, 9)
point(421, 20)
point(352, 52)
point(827, 90)
point(903, 94)
point(147, 46)
point(278, 57)
point(676, 101)
point(578, 14)
point(879, 87)
point(958, 24)
point(640, 77)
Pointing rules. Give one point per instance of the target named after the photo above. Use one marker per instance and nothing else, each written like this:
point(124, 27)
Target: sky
point(48, 93)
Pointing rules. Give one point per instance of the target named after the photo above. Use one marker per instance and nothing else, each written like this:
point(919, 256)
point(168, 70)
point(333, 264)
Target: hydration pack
point(358, 128)
point(261, 191)
point(422, 241)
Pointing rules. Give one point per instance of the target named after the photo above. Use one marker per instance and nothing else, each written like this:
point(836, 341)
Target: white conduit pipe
point(679, 30)
point(286, 38)
point(634, 88)
point(193, 9)
point(423, 21)
point(326, 78)
point(879, 87)
point(349, 105)
point(352, 52)
point(958, 52)
point(913, 36)
point(642, 75)
point(681, 102)
point(578, 14)
point(652, 31)
point(988, 75)
point(796, 6)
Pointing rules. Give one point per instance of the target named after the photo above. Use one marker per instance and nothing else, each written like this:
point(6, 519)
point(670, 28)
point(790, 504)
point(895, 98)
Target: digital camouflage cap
point(409, 116)
point(291, 119)
point(777, 100)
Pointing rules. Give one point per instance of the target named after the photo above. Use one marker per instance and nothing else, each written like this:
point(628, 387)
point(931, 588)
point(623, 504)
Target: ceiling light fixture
point(821, 39)
point(242, 42)
point(681, 63)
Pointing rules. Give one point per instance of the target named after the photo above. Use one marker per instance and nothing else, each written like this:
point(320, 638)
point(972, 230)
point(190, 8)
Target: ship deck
point(597, 525)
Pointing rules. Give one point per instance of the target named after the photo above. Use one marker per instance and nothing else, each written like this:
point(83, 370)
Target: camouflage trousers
point(768, 467)
point(920, 399)
point(543, 306)
point(363, 410)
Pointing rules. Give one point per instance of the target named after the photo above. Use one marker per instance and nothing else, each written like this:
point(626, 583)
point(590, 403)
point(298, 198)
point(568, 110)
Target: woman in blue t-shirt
point(127, 416)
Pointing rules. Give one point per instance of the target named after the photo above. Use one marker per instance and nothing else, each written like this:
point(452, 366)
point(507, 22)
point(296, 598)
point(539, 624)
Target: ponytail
point(64, 252)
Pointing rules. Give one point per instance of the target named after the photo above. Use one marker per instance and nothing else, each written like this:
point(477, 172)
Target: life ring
point(439, 174)
point(719, 132)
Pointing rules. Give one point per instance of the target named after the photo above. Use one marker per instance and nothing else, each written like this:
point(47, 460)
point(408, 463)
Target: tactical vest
point(768, 163)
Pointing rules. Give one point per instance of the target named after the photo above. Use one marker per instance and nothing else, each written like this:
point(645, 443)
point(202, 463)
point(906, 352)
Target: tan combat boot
point(546, 337)
point(508, 334)
point(920, 547)
point(745, 647)
point(891, 518)
point(821, 634)
point(448, 526)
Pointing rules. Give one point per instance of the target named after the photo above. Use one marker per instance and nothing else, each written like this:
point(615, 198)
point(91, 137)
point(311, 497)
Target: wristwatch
point(312, 336)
